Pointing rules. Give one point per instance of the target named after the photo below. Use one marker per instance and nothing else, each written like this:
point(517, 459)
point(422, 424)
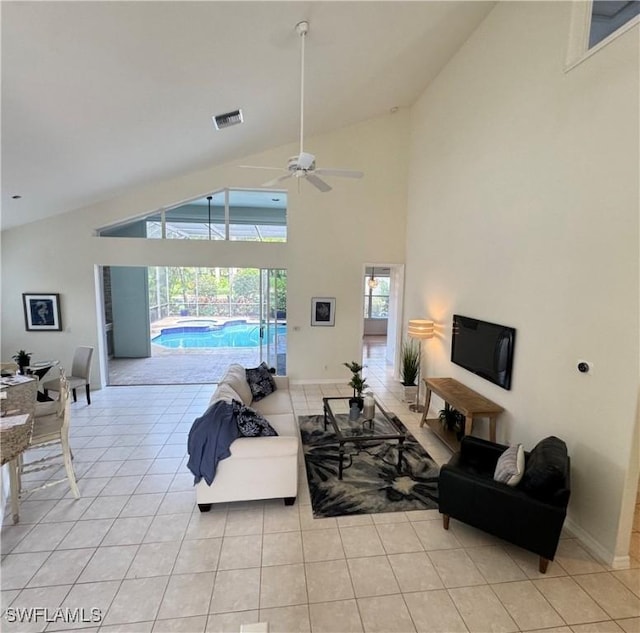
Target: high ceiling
point(101, 97)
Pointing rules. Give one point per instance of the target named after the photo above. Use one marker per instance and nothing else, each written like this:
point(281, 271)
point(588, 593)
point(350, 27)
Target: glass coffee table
point(383, 427)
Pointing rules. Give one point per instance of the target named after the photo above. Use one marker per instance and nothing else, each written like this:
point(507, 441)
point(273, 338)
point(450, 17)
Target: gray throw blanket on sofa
point(210, 438)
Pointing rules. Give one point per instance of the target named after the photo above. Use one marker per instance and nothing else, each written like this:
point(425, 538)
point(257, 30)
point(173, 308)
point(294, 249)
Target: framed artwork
point(323, 311)
point(41, 312)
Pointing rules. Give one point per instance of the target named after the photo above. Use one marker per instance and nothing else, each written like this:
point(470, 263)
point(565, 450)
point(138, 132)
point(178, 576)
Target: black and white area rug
point(372, 484)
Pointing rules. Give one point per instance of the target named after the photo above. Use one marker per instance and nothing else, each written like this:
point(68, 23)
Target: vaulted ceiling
point(101, 97)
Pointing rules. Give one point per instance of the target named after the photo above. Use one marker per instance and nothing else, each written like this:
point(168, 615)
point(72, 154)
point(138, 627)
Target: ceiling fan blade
point(318, 183)
point(275, 181)
point(260, 167)
point(342, 173)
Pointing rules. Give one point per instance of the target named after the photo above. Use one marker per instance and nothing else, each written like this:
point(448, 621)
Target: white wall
point(523, 210)
point(331, 236)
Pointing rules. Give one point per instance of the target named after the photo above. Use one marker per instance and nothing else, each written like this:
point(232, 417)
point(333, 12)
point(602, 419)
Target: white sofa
point(259, 467)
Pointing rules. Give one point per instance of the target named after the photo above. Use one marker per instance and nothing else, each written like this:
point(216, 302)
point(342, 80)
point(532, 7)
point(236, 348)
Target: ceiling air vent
point(227, 119)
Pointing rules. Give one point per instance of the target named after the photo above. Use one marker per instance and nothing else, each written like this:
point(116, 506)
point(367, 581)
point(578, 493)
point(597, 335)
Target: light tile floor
point(136, 547)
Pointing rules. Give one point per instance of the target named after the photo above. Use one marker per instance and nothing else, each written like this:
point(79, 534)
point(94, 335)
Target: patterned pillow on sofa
point(250, 422)
point(260, 381)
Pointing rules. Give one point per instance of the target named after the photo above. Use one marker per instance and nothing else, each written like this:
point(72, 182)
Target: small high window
point(607, 16)
point(595, 24)
point(231, 214)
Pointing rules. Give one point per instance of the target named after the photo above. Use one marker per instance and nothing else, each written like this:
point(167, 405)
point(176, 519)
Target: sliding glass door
point(273, 318)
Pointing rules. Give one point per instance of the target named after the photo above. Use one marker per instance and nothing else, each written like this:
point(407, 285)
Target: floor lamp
point(419, 329)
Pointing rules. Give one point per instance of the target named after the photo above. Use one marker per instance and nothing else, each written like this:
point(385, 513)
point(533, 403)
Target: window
point(231, 214)
point(256, 217)
point(607, 16)
point(376, 299)
point(195, 221)
point(594, 24)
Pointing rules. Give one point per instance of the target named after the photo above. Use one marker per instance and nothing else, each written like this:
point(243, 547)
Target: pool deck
point(179, 367)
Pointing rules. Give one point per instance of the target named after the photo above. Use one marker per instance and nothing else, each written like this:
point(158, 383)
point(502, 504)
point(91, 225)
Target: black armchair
point(529, 515)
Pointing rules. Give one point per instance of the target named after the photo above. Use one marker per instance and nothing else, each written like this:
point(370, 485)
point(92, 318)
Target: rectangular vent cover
point(227, 119)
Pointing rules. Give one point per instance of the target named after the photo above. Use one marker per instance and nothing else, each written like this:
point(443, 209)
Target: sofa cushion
point(510, 466)
point(237, 379)
point(277, 402)
point(285, 424)
point(225, 392)
point(546, 467)
point(260, 381)
point(250, 422)
point(263, 447)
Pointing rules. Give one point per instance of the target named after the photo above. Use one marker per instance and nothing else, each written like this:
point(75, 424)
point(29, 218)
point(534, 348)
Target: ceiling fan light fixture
point(373, 282)
point(303, 166)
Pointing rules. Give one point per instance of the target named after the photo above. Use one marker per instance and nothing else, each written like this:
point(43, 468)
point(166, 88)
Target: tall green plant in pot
point(410, 359)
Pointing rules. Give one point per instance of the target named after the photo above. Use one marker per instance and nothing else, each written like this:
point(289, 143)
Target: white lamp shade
point(420, 328)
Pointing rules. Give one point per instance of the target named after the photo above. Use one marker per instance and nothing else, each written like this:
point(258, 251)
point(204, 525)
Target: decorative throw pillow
point(510, 466)
point(260, 381)
point(546, 468)
point(250, 422)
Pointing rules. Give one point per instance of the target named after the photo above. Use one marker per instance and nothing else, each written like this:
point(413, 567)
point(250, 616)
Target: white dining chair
point(49, 430)
point(80, 374)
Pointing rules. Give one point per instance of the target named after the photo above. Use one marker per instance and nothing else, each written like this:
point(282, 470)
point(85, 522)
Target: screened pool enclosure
point(190, 323)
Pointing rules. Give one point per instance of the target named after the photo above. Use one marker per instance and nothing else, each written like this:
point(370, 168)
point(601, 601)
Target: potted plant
point(452, 420)
point(22, 359)
point(410, 359)
point(357, 383)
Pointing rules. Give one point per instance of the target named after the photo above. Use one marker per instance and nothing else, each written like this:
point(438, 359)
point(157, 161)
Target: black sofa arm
point(479, 455)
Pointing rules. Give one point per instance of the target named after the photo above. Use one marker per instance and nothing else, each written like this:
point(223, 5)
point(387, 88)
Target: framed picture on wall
point(323, 311)
point(41, 312)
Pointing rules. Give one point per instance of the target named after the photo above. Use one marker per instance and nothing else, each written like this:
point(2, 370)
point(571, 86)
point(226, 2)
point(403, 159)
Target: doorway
point(185, 325)
point(382, 317)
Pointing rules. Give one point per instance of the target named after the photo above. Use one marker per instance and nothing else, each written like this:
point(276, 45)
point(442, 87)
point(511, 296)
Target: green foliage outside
point(210, 292)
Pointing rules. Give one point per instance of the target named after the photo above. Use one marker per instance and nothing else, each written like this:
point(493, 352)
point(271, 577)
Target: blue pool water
point(201, 336)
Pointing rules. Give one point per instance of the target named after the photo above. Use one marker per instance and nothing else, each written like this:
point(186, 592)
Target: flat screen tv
point(486, 349)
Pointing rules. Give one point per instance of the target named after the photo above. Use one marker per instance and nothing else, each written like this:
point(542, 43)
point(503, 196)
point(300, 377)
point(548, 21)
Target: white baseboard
point(621, 562)
point(257, 627)
point(596, 549)
point(319, 381)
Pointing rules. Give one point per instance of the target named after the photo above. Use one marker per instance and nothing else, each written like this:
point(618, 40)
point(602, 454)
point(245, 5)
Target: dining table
point(17, 411)
point(18, 394)
point(41, 368)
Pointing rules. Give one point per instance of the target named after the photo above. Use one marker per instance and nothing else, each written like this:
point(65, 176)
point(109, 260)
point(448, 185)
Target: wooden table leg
point(427, 402)
point(468, 424)
point(492, 428)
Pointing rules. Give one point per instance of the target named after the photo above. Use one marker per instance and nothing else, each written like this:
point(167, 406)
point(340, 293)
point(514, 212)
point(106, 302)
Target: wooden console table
point(470, 403)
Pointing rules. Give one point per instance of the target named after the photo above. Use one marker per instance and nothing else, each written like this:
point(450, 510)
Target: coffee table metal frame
point(365, 438)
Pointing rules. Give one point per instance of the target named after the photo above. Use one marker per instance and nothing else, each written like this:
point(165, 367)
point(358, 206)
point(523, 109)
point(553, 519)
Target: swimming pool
point(207, 336)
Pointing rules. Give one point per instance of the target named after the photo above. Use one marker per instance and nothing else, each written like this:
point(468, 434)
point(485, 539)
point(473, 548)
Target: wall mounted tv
point(486, 349)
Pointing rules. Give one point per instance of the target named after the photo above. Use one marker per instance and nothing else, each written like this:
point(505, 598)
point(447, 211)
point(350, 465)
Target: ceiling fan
point(304, 164)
